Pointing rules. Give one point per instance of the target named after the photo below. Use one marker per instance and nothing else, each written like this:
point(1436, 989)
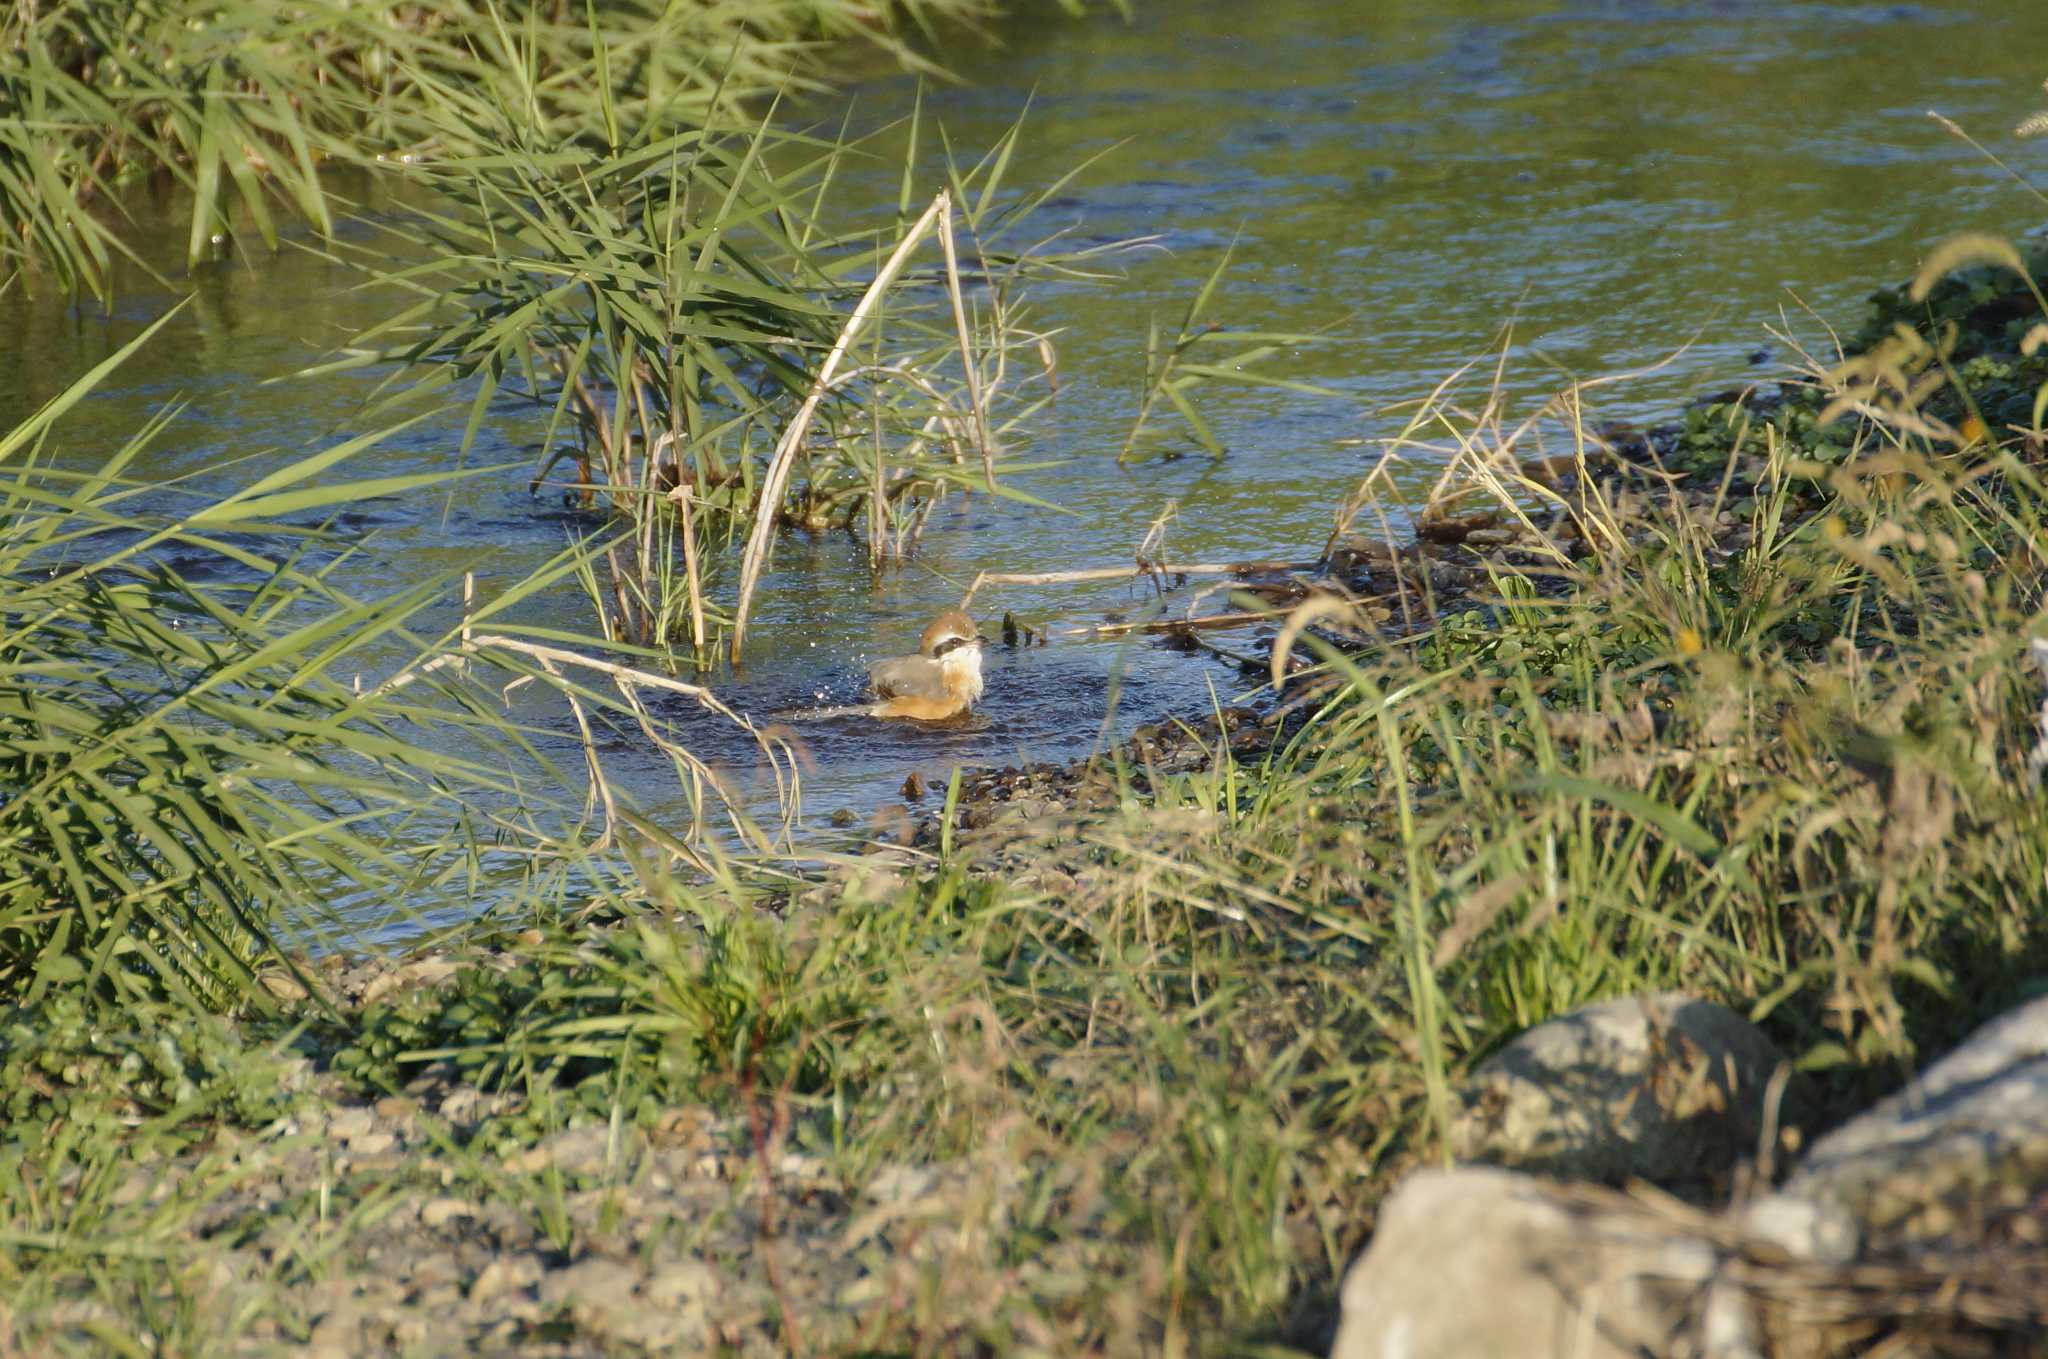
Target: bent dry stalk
point(661, 301)
point(937, 217)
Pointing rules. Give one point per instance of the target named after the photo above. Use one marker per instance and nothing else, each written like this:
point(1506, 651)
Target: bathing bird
point(943, 680)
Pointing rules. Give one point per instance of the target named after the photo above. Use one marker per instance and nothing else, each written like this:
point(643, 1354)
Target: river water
point(1615, 177)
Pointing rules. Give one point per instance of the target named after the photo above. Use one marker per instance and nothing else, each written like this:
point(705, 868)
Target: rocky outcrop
point(1953, 1152)
point(1917, 1225)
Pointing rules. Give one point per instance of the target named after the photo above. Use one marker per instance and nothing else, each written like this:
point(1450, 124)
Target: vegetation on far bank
point(249, 107)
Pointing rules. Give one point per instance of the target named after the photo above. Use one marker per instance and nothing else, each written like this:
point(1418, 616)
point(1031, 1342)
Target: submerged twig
point(1132, 572)
point(1173, 625)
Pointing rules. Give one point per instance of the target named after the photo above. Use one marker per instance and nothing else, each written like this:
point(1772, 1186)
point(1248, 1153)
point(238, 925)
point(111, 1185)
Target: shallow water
point(1615, 177)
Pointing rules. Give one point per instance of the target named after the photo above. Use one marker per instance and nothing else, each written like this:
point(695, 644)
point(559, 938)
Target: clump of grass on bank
point(184, 764)
point(707, 361)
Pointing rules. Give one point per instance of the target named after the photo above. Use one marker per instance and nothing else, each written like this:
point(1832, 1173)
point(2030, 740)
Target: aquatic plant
point(1178, 369)
point(706, 356)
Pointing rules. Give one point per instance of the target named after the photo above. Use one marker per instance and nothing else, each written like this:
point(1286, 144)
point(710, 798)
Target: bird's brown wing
point(908, 677)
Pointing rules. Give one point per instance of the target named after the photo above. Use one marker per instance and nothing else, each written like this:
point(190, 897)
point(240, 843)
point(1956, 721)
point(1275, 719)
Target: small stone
point(374, 1143)
point(461, 1105)
point(340, 1329)
point(350, 1123)
point(576, 1151)
point(1942, 1155)
point(1665, 1087)
point(684, 1281)
point(282, 986)
point(135, 1188)
point(913, 787)
point(423, 972)
point(506, 1274)
point(602, 1286)
point(898, 1183)
point(440, 1212)
point(442, 1298)
point(1805, 1231)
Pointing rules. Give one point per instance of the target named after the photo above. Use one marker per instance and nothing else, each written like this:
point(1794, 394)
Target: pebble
point(374, 1143)
point(506, 1274)
point(685, 1281)
point(592, 1282)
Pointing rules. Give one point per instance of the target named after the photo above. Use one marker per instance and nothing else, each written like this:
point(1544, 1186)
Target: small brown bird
point(943, 680)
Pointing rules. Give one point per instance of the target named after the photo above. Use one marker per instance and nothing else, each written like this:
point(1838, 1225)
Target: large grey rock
point(1482, 1264)
point(1663, 1087)
point(1476, 1263)
point(1964, 1141)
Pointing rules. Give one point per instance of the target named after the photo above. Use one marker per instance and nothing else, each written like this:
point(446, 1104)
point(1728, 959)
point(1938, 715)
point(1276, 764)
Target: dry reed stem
point(1484, 453)
point(600, 787)
point(777, 479)
point(878, 510)
point(628, 681)
point(680, 497)
point(688, 528)
point(980, 415)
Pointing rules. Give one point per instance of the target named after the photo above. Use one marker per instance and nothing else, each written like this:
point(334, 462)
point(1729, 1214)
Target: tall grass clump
point(249, 107)
point(706, 358)
point(194, 770)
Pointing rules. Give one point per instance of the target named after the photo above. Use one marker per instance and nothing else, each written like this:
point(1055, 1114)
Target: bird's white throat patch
point(962, 667)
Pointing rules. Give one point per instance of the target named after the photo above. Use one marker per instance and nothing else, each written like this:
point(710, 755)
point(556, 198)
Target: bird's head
point(948, 633)
point(955, 643)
